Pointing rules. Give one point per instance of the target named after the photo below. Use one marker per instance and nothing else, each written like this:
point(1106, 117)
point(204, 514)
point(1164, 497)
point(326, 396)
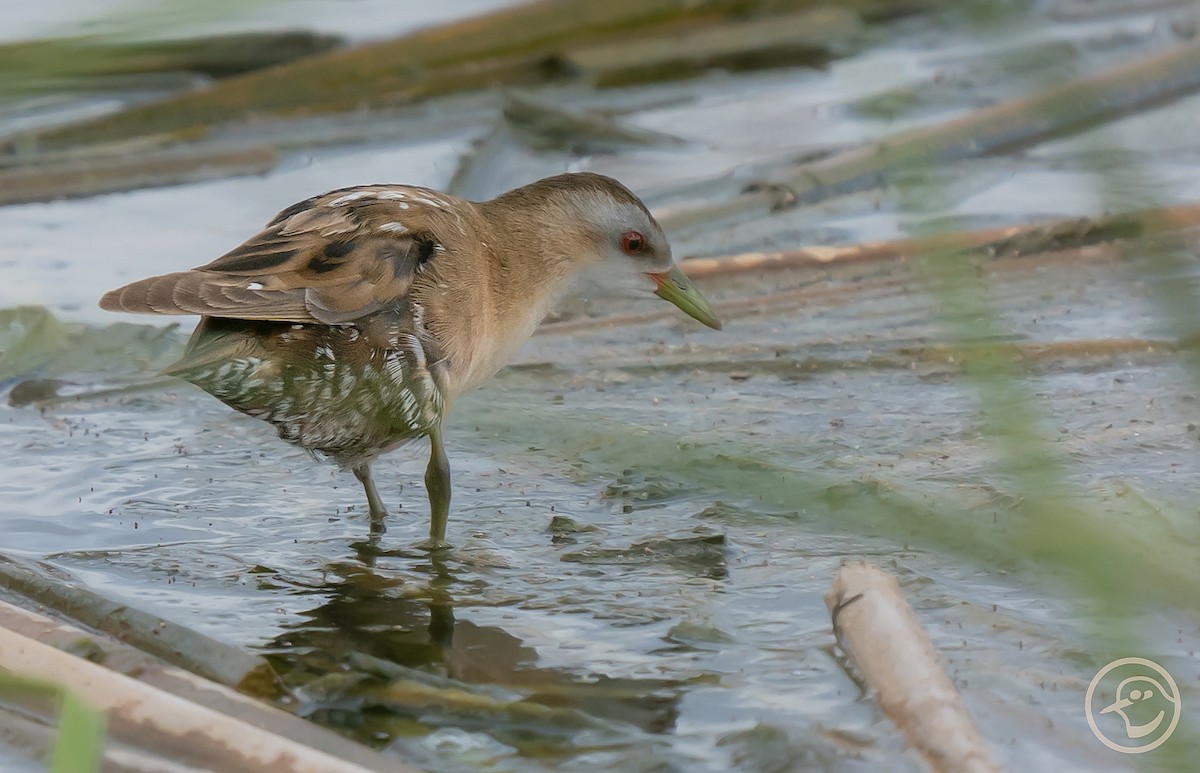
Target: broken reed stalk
point(801, 38)
point(893, 653)
point(1007, 126)
point(158, 721)
point(172, 642)
point(33, 66)
point(508, 45)
point(147, 669)
point(72, 178)
point(1046, 236)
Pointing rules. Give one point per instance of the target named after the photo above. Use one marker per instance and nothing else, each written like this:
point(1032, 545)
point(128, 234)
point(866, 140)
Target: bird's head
point(1147, 699)
point(613, 236)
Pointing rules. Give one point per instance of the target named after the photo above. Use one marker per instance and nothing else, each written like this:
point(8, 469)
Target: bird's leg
point(437, 484)
point(374, 504)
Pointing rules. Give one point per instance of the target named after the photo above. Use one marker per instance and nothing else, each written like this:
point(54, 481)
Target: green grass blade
point(79, 745)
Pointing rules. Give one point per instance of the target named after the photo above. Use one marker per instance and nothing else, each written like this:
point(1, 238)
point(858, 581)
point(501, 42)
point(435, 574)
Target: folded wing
point(332, 259)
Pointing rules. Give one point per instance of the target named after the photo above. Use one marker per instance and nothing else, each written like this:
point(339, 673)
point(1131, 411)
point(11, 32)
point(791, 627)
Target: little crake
point(355, 318)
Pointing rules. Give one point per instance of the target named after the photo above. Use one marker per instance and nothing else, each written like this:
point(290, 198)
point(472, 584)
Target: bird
point(1150, 699)
point(355, 318)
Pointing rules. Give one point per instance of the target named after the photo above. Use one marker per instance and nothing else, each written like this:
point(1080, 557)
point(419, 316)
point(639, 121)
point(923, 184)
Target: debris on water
point(565, 529)
point(701, 551)
point(552, 125)
point(640, 486)
point(768, 747)
point(34, 390)
point(695, 633)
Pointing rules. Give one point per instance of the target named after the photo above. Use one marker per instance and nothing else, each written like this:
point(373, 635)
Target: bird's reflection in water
point(385, 655)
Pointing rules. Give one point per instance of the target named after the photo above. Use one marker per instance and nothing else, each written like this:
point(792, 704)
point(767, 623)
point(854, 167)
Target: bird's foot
point(434, 545)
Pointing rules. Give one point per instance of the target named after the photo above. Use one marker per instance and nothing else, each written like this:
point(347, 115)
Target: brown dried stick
point(877, 627)
point(1003, 127)
point(140, 168)
point(124, 659)
point(1047, 236)
point(511, 45)
point(164, 723)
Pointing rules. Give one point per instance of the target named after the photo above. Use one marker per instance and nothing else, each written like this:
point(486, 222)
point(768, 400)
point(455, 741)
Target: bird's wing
point(332, 259)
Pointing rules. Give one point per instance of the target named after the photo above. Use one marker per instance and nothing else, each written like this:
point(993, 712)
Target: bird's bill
point(675, 287)
point(1117, 705)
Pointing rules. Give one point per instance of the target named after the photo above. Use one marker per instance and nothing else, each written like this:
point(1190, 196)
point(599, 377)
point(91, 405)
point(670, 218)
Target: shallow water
point(648, 545)
point(646, 517)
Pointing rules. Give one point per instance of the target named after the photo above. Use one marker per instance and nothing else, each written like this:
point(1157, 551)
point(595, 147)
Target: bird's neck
point(522, 276)
point(530, 245)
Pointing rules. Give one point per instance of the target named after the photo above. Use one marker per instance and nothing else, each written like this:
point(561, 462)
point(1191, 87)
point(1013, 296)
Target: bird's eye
point(632, 242)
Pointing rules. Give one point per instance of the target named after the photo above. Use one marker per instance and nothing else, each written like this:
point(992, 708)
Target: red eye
point(632, 242)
